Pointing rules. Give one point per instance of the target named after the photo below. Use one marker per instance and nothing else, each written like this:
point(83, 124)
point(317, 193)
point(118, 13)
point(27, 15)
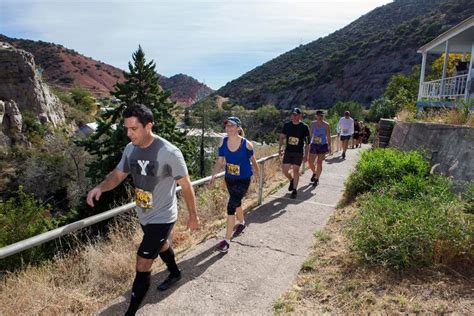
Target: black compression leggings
point(237, 189)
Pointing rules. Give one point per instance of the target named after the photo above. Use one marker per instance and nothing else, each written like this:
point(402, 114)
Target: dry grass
point(85, 280)
point(333, 281)
point(442, 116)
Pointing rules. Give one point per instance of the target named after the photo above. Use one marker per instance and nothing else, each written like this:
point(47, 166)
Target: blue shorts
point(345, 137)
point(318, 149)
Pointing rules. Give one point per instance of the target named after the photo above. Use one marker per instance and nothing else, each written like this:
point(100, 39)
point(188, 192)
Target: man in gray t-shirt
point(155, 171)
point(156, 166)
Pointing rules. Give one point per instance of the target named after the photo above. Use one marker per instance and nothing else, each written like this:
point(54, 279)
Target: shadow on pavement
point(191, 269)
point(276, 207)
point(332, 160)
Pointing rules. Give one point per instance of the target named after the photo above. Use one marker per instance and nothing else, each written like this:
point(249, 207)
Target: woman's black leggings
point(237, 189)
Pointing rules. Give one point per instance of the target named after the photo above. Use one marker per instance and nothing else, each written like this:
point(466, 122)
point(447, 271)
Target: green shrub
point(468, 197)
point(413, 187)
point(21, 217)
point(380, 167)
point(381, 108)
point(412, 233)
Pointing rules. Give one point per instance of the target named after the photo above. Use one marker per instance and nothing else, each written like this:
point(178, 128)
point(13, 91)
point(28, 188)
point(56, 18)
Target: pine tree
point(107, 143)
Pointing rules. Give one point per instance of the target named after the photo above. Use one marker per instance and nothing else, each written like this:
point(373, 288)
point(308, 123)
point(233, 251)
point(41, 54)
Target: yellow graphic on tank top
point(317, 140)
point(293, 141)
point(143, 199)
point(233, 169)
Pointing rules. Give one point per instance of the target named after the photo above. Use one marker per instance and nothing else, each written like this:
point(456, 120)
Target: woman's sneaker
point(313, 178)
point(223, 246)
point(238, 230)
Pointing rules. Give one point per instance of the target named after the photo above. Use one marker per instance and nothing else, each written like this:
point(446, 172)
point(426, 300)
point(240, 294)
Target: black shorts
point(293, 158)
point(154, 237)
point(345, 137)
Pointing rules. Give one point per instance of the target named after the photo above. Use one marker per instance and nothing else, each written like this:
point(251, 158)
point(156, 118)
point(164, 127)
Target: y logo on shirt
point(143, 164)
point(144, 167)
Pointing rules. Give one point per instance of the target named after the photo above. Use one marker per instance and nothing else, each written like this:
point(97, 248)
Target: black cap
point(296, 110)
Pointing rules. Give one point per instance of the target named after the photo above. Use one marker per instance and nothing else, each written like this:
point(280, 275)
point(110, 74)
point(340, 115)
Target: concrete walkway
point(261, 263)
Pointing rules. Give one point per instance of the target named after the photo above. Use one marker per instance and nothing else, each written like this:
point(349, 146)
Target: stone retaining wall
point(449, 147)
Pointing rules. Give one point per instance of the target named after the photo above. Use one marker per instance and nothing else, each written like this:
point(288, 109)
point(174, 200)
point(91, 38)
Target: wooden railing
point(442, 89)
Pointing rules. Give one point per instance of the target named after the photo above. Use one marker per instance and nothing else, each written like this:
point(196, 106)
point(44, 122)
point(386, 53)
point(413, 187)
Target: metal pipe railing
point(83, 223)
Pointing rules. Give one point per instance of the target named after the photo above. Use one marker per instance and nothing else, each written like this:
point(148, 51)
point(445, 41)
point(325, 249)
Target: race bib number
point(345, 130)
point(317, 140)
point(293, 141)
point(233, 169)
point(143, 199)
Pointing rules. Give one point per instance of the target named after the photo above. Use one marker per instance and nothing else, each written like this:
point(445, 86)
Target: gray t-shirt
point(154, 170)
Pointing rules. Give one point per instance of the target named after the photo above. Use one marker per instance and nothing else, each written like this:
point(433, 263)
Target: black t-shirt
point(296, 136)
point(356, 128)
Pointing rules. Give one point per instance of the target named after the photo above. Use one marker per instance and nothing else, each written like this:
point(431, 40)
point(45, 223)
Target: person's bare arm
point(217, 167)
point(280, 144)
point(254, 162)
point(112, 180)
point(190, 200)
point(328, 136)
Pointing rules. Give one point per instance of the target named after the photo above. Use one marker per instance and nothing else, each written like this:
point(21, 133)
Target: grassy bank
point(403, 243)
point(334, 280)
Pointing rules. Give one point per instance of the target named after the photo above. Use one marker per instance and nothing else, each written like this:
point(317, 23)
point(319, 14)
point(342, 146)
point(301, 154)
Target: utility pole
point(202, 158)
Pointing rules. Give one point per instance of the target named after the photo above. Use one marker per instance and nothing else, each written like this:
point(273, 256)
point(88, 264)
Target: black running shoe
point(343, 155)
point(238, 230)
point(168, 282)
point(316, 182)
point(313, 178)
point(293, 194)
point(290, 187)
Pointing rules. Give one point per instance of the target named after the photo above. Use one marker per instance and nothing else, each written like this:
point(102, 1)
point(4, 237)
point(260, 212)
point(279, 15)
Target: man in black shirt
point(296, 134)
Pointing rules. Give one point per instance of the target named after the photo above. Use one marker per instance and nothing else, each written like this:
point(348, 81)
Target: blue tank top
point(319, 135)
point(237, 162)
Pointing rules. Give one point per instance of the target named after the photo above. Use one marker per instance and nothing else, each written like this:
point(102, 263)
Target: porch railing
point(445, 89)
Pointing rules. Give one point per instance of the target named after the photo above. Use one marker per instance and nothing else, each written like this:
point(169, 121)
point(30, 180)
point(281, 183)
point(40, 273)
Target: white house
point(446, 91)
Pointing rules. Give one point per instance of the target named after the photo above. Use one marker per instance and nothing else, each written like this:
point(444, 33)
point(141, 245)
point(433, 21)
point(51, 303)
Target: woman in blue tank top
point(236, 154)
point(320, 145)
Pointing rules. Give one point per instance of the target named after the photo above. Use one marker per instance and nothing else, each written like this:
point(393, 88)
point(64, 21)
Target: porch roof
point(460, 39)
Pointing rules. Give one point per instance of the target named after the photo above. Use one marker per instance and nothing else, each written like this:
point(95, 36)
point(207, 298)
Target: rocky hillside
point(186, 89)
point(353, 63)
point(22, 93)
point(63, 68)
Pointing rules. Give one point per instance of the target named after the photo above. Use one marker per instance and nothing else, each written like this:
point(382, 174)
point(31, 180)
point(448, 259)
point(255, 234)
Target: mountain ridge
point(64, 68)
point(353, 63)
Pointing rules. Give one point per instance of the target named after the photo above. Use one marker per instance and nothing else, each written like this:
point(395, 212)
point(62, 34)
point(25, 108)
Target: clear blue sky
point(214, 41)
